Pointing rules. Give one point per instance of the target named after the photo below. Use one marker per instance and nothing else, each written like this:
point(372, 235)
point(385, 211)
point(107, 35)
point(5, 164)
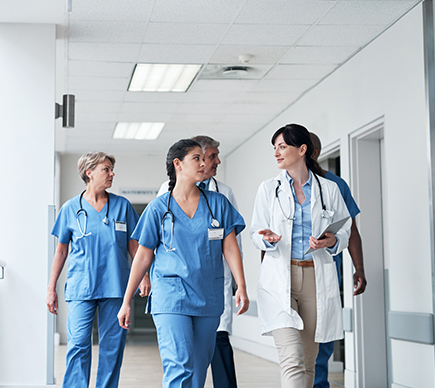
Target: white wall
point(27, 158)
point(385, 79)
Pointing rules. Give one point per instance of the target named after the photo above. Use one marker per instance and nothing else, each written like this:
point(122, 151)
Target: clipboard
point(331, 228)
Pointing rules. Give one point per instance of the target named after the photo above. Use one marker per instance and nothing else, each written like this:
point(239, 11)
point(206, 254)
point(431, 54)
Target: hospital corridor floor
point(142, 367)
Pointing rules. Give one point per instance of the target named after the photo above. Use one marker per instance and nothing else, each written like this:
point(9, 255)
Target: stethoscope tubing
point(85, 213)
point(214, 222)
point(321, 199)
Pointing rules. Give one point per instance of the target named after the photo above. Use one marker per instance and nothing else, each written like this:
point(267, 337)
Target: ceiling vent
point(235, 71)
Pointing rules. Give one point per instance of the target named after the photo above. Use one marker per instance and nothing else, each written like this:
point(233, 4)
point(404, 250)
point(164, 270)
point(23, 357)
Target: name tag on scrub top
point(120, 226)
point(216, 234)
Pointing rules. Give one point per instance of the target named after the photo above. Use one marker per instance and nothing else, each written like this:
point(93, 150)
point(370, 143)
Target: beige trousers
point(297, 350)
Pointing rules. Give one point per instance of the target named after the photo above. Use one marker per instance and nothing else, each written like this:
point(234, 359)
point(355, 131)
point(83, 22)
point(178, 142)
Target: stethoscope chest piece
point(215, 223)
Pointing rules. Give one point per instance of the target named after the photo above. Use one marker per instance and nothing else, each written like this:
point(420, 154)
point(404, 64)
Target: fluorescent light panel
point(138, 131)
point(149, 77)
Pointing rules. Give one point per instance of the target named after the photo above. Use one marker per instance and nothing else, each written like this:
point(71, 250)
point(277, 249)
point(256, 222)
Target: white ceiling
point(294, 44)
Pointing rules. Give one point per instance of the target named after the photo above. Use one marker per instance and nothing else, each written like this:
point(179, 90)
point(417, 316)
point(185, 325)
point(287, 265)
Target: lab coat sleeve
point(341, 212)
point(261, 218)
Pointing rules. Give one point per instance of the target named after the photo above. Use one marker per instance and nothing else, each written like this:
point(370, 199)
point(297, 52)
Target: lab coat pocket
point(331, 280)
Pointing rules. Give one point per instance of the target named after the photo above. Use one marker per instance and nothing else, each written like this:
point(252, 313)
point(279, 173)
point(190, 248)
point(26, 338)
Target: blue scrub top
point(190, 279)
point(98, 264)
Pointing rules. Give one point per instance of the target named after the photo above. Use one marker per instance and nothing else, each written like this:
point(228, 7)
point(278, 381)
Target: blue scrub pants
point(186, 345)
point(326, 349)
point(222, 364)
point(111, 343)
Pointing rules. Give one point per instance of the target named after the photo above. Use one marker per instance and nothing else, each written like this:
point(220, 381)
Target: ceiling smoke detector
point(239, 71)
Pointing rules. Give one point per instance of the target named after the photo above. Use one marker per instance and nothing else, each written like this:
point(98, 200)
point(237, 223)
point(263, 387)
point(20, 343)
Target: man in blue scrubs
point(355, 250)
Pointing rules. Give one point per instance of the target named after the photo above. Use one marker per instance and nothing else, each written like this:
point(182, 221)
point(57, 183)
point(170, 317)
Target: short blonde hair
point(91, 160)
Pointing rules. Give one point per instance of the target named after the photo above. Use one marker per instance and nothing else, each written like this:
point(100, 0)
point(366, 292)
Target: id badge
point(216, 234)
point(120, 226)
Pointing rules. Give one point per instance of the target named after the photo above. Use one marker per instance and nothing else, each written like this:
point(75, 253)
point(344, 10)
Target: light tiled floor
point(142, 368)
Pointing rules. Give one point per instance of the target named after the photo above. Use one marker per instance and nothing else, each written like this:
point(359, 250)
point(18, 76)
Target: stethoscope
point(81, 210)
point(325, 213)
point(214, 222)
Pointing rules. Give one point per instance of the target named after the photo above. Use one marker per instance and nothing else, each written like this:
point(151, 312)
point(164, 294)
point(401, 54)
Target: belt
point(302, 263)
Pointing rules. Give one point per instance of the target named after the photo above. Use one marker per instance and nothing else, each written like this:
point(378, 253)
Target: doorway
point(369, 309)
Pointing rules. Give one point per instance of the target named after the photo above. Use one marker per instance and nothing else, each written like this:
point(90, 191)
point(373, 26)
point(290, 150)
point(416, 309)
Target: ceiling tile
point(204, 108)
point(227, 85)
point(296, 85)
point(112, 52)
point(244, 119)
point(96, 95)
point(261, 54)
point(110, 10)
point(268, 97)
point(144, 116)
point(104, 31)
point(257, 109)
point(195, 11)
point(196, 118)
point(100, 69)
point(98, 83)
point(98, 106)
point(175, 53)
point(283, 11)
point(366, 12)
point(185, 33)
point(146, 108)
point(264, 34)
point(340, 36)
point(155, 97)
point(300, 71)
point(316, 55)
point(216, 97)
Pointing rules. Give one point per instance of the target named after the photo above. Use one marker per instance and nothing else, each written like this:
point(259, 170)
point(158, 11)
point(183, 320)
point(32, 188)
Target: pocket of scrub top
point(215, 250)
point(119, 233)
point(168, 294)
point(331, 280)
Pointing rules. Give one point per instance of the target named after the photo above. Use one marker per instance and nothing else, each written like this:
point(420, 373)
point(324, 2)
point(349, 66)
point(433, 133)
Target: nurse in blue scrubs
point(97, 226)
point(188, 229)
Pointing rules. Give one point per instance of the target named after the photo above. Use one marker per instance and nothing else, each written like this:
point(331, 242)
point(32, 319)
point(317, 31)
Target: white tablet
point(331, 228)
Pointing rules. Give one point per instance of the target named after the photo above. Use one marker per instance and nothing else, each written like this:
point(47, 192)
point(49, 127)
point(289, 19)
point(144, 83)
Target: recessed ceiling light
point(138, 131)
point(149, 77)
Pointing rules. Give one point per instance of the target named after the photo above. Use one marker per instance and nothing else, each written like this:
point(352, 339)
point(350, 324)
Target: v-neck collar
point(99, 212)
point(183, 212)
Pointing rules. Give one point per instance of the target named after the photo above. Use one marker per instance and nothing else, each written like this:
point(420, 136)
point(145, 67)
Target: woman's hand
point(327, 242)
point(124, 315)
point(52, 302)
point(145, 286)
point(242, 299)
point(269, 236)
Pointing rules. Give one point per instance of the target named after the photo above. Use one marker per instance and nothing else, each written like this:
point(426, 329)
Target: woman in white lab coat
point(298, 295)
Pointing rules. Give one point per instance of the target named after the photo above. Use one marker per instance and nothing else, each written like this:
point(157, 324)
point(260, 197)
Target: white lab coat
point(274, 288)
point(226, 322)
